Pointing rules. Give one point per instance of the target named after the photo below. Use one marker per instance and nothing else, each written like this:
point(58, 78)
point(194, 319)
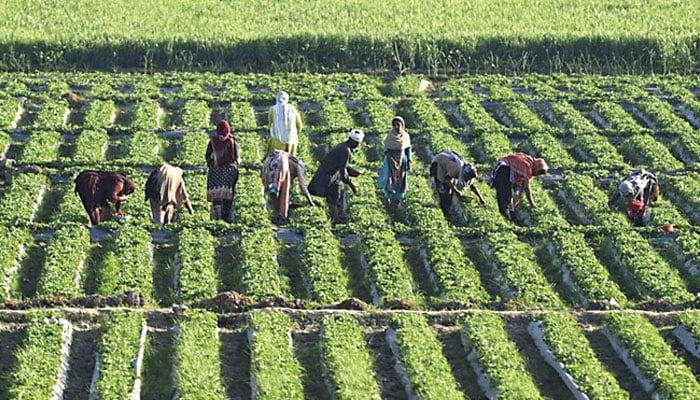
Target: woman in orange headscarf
point(223, 158)
point(513, 173)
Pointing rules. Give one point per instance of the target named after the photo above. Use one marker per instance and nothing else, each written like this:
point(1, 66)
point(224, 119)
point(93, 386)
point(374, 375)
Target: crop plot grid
point(569, 301)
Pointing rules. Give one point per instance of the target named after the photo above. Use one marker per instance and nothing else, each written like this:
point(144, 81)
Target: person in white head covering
point(450, 173)
point(393, 176)
point(332, 173)
point(285, 126)
point(638, 191)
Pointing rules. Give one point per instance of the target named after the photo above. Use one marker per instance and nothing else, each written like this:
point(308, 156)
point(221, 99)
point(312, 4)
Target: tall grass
point(442, 35)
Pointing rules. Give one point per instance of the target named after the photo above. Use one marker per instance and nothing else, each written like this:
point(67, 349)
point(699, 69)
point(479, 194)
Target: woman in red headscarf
point(513, 173)
point(223, 158)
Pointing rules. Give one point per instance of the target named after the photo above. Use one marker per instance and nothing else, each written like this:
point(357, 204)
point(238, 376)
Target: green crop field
point(443, 35)
point(569, 301)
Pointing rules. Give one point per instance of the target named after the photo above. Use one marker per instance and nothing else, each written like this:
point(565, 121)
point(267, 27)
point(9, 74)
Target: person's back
point(165, 188)
point(336, 158)
point(285, 124)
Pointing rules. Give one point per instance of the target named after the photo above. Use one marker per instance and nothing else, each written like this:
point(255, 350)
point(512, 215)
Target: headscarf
point(221, 142)
point(284, 126)
point(170, 186)
point(397, 139)
point(465, 171)
point(524, 165)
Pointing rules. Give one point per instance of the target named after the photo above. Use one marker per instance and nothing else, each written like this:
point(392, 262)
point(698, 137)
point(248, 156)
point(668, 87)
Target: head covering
point(397, 138)
point(170, 186)
point(626, 188)
point(223, 129)
point(129, 186)
point(221, 142)
point(284, 127)
point(357, 135)
point(524, 165)
point(282, 98)
point(465, 172)
point(539, 165)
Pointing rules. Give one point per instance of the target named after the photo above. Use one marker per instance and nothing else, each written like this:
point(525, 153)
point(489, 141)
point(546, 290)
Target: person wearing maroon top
point(223, 157)
point(97, 188)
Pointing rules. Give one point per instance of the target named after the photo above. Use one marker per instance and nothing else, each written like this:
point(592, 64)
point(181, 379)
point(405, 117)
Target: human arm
point(613, 198)
point(298, 122)
point(302, 184)
point(409, 158)
point(528, 193)
point(476, 191)
point(188, 205)
point(183, 195)
point(209, 156)
point(236, 152)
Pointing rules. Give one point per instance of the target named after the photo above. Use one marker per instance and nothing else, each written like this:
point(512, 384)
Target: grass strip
point(275, 371)
point(346, 361)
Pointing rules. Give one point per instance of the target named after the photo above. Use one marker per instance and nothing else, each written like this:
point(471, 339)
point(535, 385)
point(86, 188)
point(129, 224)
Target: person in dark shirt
point(332, 174)
point(97, 188)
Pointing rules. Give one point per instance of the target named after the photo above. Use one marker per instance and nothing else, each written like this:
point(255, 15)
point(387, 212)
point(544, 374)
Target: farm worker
point(97, 188)
point(638, 190)
point(285, 125)
point(166, 191)
point(279, 170)
point(333, 172)
point(513, 173)
point(450, 173)
point(223, 158)
point(393, 176)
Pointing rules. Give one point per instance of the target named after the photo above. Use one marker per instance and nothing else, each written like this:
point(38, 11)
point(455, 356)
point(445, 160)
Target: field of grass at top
point(508, 35)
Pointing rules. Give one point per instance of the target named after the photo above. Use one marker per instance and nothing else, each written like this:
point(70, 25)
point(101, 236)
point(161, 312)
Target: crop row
point(661, 270)
point(350, 360)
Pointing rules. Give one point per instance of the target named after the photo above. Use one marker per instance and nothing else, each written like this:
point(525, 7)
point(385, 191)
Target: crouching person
point(97, 188)
point(165, 189)
point(450, 173)
point(639, 190)
point(278, 172)
point(512, 174)
point(332, 174)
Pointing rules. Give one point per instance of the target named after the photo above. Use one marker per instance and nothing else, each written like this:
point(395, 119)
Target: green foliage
point(497, 356)
point(275, 371)
point(346, 359)
point(420, 352)
point(671, 377)
point(197, 357)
